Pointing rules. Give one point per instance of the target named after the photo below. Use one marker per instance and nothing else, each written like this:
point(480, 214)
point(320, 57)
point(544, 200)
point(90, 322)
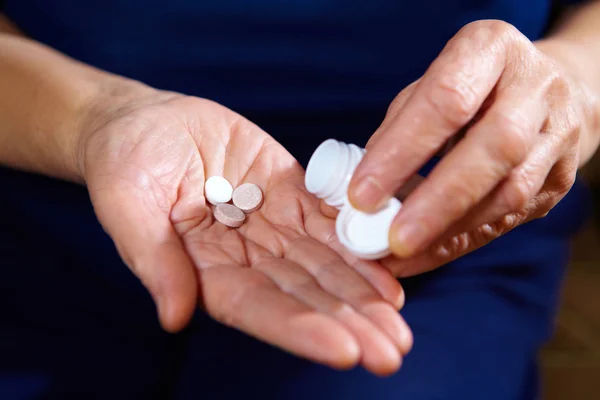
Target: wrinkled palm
point(282, 277)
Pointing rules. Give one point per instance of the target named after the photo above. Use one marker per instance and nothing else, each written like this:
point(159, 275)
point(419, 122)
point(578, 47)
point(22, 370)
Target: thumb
point(149, 245)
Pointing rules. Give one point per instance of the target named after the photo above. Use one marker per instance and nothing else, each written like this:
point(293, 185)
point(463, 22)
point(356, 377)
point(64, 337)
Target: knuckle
point(485, 233)
point(508, 222)
point(516, 134)
point(568, 183)
point(493, 30)
point(561, 179)
point(507, 32)
point(517, 194)
point(559, 87)
point(301, 284)
point(452, 248)
point(501, 28)
point(544, 214)
point(452, 97)
point(400, 100)
point(574, 126)
point(395, 106)
point(565, 183)
point(459, 196)
point(545, 202)
point(471, 27)
point(492, 33)
point(467, 242)
point(448, 250)
point(543, 211)
point(493, 26)
point(457, 246)
point(340, 309)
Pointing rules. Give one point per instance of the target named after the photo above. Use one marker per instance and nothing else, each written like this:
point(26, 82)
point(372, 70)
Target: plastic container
point(328, 175)
point(330, 169)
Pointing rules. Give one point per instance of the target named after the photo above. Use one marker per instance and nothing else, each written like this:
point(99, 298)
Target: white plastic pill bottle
point(328, 176)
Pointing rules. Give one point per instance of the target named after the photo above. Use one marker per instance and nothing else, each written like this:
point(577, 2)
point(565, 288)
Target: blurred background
point(571, 360)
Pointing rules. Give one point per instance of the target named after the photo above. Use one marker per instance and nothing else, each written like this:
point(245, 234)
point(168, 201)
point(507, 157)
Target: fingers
point(323, 230)
point(530, 192)
point(407, 188)
point(151, 248)
point(515, 193)
point(379, 353)
point(334, 276)
point(447, 97)
point(247, 300)
point(492, 148)
point(171, 280)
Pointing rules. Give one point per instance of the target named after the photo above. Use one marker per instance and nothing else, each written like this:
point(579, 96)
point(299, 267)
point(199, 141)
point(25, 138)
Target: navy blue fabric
point(267, 55)
point(77, 324)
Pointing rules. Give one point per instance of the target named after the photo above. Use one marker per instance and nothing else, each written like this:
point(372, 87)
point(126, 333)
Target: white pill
point(217, 190)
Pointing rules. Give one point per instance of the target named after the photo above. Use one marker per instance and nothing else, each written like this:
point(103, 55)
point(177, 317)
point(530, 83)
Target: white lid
point(329, 171)
point(321, 170)
point(366, 234)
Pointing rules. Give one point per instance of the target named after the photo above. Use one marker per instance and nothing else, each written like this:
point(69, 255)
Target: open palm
point(282, 277)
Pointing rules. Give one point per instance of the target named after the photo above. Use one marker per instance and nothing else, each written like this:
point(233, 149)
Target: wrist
point(573, 59)
point(53, 104)
point(111, 97)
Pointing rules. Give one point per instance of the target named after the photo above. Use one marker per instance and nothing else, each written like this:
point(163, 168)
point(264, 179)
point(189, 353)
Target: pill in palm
point(247, 197)
point(229, 215)
point(217, 190)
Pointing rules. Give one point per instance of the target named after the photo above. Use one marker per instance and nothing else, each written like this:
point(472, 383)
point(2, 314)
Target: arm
point(575, 43)
point(146, 154)
point(46, 99)
point(531, 113)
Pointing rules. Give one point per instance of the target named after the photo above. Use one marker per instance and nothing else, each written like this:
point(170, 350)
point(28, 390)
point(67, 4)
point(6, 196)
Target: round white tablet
point(217, 190)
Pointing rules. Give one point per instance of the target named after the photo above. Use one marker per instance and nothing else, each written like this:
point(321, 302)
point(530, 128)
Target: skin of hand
point(529, 122)
point(144, 155)
point(281, 277)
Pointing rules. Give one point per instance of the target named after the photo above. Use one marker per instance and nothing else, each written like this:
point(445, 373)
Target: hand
point(281, 277)
point(523, 115)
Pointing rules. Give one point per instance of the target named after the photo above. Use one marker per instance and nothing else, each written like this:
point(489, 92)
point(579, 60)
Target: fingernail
point(162, 306)
point(368, 194)
point(407, 340)
point(400, 300)
point(407, 238)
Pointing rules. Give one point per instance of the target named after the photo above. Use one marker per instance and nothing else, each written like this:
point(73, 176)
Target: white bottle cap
point(330, 169)
point(366, 234)
point(322, 169)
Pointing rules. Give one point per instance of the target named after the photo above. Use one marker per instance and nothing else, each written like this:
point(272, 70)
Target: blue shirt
point(267, 55)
